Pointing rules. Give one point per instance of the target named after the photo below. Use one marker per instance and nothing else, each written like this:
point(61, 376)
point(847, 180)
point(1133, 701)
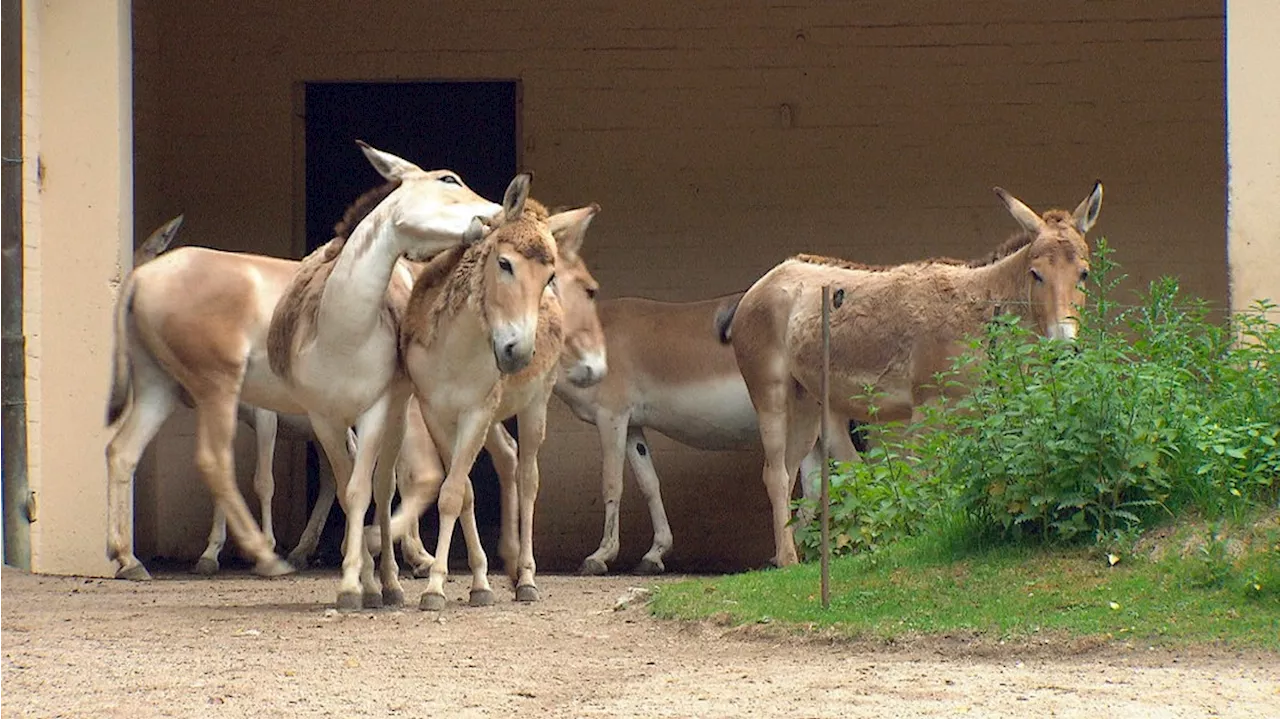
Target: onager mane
point(455, 277)
point(1017, 241)
point(300, 303)
point(1021, 239)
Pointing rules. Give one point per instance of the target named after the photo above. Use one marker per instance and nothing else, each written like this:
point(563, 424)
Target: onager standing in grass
point(467, 340)
point(892, 329)
point(334, 340)
point(191, 326)
point(582, 363)
point(669, 373)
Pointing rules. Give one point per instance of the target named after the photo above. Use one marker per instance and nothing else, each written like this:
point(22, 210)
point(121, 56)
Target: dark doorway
point(471, 128)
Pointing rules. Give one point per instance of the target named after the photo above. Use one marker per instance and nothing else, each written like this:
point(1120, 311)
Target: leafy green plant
point(1157, 407)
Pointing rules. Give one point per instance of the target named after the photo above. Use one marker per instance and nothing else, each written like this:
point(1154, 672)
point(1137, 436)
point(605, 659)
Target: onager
point(209, 350)
point(582, 363)
point(334, 341)
point(466, 335)
point(668, 373)
point(892, 329)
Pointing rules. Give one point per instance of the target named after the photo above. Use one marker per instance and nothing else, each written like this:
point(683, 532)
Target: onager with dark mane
point(582, 363)
point(668, 373)
point(466, 340)
point(892, 329)
point(210, 347)
point(334, 340)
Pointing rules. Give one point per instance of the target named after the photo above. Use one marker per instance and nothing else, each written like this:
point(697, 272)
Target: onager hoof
point(348, 602)
point(527, 593)
point(432, 602)
point(274, 567)
point(649, 567)
point(593, 567)
point(392, 597)
point(481, 597)
point(136, 573)
point(372, 600)
point(299, 558)
point(206, 566)
point(422, 571)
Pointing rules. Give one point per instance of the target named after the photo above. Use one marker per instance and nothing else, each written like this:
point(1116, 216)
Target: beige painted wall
point(78, 229)
point(670, 114)
point(1253, 147)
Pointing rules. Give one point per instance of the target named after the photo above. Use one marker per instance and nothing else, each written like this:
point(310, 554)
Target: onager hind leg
point(384, 486)
point(789, 425)
point(613, 448)
point(641, 459)
point(325, 497)
point(154, 397)
point(419, 475)
point(358, 588)
point(264, 485)
point(504, 452)
point(215, 432)
point(533, 430)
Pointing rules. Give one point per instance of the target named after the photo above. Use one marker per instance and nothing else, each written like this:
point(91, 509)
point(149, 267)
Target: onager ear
point(475, 232)
point(158, 242)
point(517, 193)
point(1025, 216)
point(387, 164)
point(570, 228)
point(1087, 211)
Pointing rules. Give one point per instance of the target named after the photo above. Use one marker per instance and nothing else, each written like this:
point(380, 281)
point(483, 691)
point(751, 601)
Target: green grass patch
point(1183, 589)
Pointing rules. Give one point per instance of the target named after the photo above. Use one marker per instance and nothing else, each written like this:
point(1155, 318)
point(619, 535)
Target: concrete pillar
point(78, 153)
point(1253, 151)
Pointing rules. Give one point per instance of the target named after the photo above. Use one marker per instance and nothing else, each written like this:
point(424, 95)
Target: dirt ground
point(238, 646)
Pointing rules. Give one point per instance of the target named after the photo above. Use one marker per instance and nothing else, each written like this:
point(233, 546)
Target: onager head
point(1058, 261)
point(583, 358)
point(518, 264)
point(432, 210)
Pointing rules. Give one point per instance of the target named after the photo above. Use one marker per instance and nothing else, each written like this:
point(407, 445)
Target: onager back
point(892, 329)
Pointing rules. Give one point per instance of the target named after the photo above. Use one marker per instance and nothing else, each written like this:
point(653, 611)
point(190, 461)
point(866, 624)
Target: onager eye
point(592, 292)
point(1084, 274)
point(551, 281)
point(505, 265)
point(1036, 274)
point(451, 180)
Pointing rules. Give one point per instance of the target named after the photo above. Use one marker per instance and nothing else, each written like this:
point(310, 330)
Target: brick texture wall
point(719, 137)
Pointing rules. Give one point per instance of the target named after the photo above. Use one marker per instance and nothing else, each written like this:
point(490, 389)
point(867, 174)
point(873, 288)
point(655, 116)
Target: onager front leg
point(469, 436)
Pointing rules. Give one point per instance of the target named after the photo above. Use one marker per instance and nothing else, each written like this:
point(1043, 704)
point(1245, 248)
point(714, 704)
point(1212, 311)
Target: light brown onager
point(464, 338)
point(192, 326)
point(582, 363)
point(892, 329)
point(669, 373)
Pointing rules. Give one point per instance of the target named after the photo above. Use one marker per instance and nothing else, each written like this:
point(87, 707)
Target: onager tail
point(121, 378)
point(724, 319)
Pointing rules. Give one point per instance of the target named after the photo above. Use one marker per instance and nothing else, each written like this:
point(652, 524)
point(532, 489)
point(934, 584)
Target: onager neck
point(355, 292)
point(1004, 285)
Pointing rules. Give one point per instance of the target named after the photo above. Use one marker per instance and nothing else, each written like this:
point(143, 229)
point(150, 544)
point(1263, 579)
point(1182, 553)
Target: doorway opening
point(471, 128)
